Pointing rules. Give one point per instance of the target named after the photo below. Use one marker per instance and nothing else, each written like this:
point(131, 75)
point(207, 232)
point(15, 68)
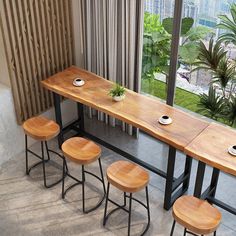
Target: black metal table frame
point(210, 191)
point(173, 188)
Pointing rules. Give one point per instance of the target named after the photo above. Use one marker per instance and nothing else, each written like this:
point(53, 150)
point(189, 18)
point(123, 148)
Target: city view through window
point(206, 77)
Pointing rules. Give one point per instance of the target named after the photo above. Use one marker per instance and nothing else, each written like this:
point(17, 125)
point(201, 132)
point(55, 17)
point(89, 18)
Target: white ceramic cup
point(78, 82)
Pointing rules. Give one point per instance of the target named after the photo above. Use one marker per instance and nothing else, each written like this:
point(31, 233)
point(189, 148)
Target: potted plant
point(117, 92)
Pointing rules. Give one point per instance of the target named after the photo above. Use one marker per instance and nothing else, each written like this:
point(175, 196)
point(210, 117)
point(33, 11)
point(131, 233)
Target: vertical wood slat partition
point(38, 40)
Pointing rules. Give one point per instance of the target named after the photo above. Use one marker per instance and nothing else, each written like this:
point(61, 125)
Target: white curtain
point(112, 41)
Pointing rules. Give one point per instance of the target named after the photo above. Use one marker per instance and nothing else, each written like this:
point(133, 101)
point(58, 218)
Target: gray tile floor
point(27, 208)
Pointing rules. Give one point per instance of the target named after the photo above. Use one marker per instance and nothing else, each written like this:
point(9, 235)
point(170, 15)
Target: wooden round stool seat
point(81, 150)
point(127, 176)
point(41, 128)
point(196, 215)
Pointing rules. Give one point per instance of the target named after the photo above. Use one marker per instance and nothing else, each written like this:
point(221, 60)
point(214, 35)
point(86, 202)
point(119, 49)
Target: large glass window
point(206, 77)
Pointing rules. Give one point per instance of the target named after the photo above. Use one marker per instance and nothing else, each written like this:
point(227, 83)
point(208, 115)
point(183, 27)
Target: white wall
point(11, 134)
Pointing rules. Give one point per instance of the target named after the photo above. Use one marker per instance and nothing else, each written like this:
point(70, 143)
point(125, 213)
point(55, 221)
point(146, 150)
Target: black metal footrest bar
point(35, 165)
point(123, 207)
point(178, 181)
point(33, 153)
point(189, 232)
point(221, 204)
point(82, 182)
point(42, 161)
point(117, 208)
point(124, 154)
point(71, 126)
point(45, 160)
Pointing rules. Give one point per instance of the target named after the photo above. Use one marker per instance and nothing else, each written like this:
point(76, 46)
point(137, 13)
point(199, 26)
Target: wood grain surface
point(81, 150)
point(138, 110)
point(41, 128)
point(127, 176)
point(211, 147)
point(196, 215)
point(38, 40)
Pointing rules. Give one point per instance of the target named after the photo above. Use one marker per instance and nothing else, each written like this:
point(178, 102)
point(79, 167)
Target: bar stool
point(83, 152)
point(43, 130)
point(195, 215)
point(129, 178)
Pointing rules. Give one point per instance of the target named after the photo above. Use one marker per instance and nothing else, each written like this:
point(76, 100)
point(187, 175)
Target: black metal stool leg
point(103, 183)
point(185, 231)
point(43, 162)
point(124, 199)
point(83, 180)
point(172, 228)
point(130, 207)
point(63, 178)
point(26, 156)
point(46, 145)
point(215, 233)
point(106, 203)
point(148, 211)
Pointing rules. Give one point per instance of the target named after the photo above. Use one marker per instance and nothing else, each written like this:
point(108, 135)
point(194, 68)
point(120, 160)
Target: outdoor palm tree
point(231, 111)
point(211, 105)
point(224, 74)
point(209, 57)
point(228, 24)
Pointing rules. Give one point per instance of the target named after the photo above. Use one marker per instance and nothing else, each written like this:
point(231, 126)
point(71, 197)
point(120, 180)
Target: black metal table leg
point(214, 181)
point(187, 172)
point(80, 109)
point(169, 178)
point(199, 179)
point(57, 106)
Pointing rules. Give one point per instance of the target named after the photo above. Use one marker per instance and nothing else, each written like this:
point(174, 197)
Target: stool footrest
point(78, 182)
point(122, 206)
point(42, 161)
point(35, 165)
point(189, 232)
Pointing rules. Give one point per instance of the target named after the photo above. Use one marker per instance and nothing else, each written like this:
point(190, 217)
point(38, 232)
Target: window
point(200, 27)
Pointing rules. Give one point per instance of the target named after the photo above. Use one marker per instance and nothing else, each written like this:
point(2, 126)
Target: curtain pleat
point(112, 40)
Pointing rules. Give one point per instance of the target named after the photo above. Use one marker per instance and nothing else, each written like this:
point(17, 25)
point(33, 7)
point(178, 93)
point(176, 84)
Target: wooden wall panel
point(38, 40)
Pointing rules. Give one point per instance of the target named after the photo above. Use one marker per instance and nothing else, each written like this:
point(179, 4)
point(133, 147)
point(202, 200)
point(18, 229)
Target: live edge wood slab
point(211, 147)
point(136, 109)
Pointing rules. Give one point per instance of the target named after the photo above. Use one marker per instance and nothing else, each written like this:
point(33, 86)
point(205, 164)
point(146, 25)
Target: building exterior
point(165, 8)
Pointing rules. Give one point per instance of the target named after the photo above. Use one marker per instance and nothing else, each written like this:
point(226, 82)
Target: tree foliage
point(212, 105)
point(156, 46)
point(228, 24)
point(209, 57)
point(186, 25)
point(157, 43)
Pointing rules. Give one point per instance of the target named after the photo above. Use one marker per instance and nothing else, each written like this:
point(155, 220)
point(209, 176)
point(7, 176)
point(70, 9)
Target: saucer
point(165, 121)
point(231, 151)
point(78, 82)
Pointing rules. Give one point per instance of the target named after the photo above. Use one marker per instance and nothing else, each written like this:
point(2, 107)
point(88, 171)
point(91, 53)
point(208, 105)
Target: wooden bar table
point(211, 148)
point(138, 110)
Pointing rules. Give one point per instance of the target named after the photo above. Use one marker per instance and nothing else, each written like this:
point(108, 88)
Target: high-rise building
point(210, 9)
point(165, 8)
point(153, 6)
